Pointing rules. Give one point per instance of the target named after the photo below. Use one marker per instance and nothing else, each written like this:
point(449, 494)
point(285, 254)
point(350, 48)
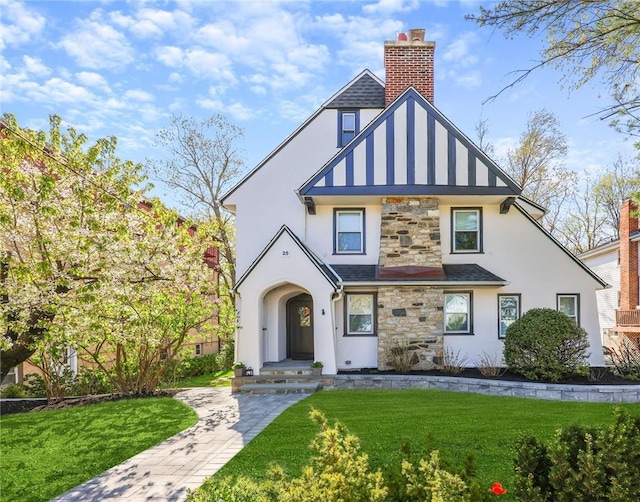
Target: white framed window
point(198, 349)
point(508, 312)
point(466, 230)
point(360, 314)
point(569, 304)
point(349, 231)
point(458, 313)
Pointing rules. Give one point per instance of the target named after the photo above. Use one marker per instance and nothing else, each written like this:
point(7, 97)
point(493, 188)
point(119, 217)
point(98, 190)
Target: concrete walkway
point(164, 472)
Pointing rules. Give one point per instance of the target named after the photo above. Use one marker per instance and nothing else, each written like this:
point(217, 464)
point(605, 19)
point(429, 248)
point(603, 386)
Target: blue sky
point(122, 67)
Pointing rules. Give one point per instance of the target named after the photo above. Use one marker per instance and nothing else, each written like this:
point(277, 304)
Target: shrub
point(13, 391)
point(399, 357)
point(451, 362)
point(91, 381)
point(35, 385)
point(626, 359)
point(490, 365)
point(581, 464)
point(546, 344)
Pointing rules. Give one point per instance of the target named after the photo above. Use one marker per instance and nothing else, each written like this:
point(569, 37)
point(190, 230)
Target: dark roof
point(365, 92)
point(469, 272)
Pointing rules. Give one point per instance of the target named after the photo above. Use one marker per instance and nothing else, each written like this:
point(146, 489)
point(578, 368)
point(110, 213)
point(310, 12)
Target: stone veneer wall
point(408, 316)
point(410, 232)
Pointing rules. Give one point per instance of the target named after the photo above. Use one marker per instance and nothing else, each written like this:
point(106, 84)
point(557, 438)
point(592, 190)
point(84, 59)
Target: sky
point(122, 68)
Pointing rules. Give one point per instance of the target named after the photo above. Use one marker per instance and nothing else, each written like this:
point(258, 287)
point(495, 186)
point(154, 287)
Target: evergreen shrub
point(545, 344)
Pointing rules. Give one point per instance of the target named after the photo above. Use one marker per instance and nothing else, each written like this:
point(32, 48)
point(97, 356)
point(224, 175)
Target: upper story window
point(466, 230)
point(349, 231)
point(569, 305)
point(348, 126)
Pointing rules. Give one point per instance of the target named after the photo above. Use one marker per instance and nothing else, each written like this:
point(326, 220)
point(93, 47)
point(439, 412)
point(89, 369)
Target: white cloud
point(91, 79)
point(138, 95)
point(19, 24)
point(170, 56)
point(153, 23)
point(211, 64)
point(35, 67)
point(459, 51)
point(390, 6)
point(95, 44)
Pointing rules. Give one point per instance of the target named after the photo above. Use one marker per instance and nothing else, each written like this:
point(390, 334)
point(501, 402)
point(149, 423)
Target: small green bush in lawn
point(546, 344)
point(582, 464)
point(13, 391)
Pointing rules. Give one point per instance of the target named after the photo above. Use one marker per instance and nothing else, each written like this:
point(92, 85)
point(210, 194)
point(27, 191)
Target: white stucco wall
point(282, 273)
point(267, 199)
point(517, 251)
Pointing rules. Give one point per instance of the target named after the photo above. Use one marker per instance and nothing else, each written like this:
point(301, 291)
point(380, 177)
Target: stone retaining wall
point(556, 392)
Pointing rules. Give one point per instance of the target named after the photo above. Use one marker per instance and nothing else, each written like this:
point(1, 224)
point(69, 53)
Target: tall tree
point(203, 161)
point(585, 39)
point(537, 164)
point(619, 183)
point(84, 264)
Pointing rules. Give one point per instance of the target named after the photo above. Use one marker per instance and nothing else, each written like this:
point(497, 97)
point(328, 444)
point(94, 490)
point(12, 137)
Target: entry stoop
point(284, 377)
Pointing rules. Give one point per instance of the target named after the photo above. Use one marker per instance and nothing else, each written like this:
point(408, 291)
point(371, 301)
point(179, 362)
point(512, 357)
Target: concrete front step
point(281, 388)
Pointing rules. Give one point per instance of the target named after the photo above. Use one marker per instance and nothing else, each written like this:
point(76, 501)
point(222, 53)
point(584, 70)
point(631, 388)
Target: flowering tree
point(85, 263)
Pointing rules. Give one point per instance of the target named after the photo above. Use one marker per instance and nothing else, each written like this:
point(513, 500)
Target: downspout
point(337, 296)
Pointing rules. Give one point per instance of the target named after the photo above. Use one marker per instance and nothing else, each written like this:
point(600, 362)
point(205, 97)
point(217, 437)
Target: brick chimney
point(408, 61)
point(628, 257)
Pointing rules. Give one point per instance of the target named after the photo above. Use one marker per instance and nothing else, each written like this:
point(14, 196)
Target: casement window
point(508, 312)
point(360, 314)
point(348, 126)
point(569, 304)
point(466, 230)
point(198, 349)
point(458, 313)
point(349, 231)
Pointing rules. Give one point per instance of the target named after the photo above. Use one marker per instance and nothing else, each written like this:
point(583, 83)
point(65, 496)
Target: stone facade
point(410, 318)
point(410, 232)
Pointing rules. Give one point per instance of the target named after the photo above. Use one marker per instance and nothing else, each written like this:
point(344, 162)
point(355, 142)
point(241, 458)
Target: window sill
point(353, 335)
point(349, 254)
point(458, 334)
point(466, 252)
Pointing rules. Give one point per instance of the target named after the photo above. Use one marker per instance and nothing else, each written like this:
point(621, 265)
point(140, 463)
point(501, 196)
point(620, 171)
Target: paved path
point(164, 472)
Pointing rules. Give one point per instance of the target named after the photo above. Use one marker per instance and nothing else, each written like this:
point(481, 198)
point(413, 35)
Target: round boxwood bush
point(545, 344)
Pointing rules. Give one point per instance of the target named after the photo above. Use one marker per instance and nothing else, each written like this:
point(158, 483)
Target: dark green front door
point(300, 327)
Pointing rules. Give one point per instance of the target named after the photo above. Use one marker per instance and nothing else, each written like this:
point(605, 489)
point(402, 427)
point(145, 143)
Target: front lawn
point(44, 454)
point(457, 422)
point(220, 378)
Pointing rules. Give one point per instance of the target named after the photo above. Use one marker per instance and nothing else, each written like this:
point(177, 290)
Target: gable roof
point(410, 149)
point(324, 269)
point(364, 91)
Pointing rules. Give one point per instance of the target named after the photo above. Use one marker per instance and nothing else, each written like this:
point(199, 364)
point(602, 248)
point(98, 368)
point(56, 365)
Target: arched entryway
point(300, 327)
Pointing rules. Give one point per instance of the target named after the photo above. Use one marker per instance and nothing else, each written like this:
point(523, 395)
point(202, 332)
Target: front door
point(300, 327)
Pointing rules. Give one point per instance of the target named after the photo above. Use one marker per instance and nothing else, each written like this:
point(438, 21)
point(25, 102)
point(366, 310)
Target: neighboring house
point(378, 224)
point(617, 263)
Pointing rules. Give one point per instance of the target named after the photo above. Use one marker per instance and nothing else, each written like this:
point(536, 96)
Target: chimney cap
point(416, 35)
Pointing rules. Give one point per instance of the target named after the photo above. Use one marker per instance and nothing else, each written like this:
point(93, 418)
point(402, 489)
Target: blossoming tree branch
point(87, 261)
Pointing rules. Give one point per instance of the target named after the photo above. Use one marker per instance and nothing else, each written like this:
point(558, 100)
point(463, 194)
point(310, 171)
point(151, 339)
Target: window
point(198, 349)
point(458, 313)
point(348, 126)
point(360, 314)
point(508, 312)
point(466, 230)
point(349, 231)
point(570, 305)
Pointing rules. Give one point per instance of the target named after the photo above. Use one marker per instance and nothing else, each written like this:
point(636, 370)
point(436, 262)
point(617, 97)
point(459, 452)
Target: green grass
point(218, 379)
point(457, 422)
point(43, 454)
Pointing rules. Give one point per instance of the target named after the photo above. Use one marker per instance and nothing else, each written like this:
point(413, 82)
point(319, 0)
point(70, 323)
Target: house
point(617, 263)
point(378, 225)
